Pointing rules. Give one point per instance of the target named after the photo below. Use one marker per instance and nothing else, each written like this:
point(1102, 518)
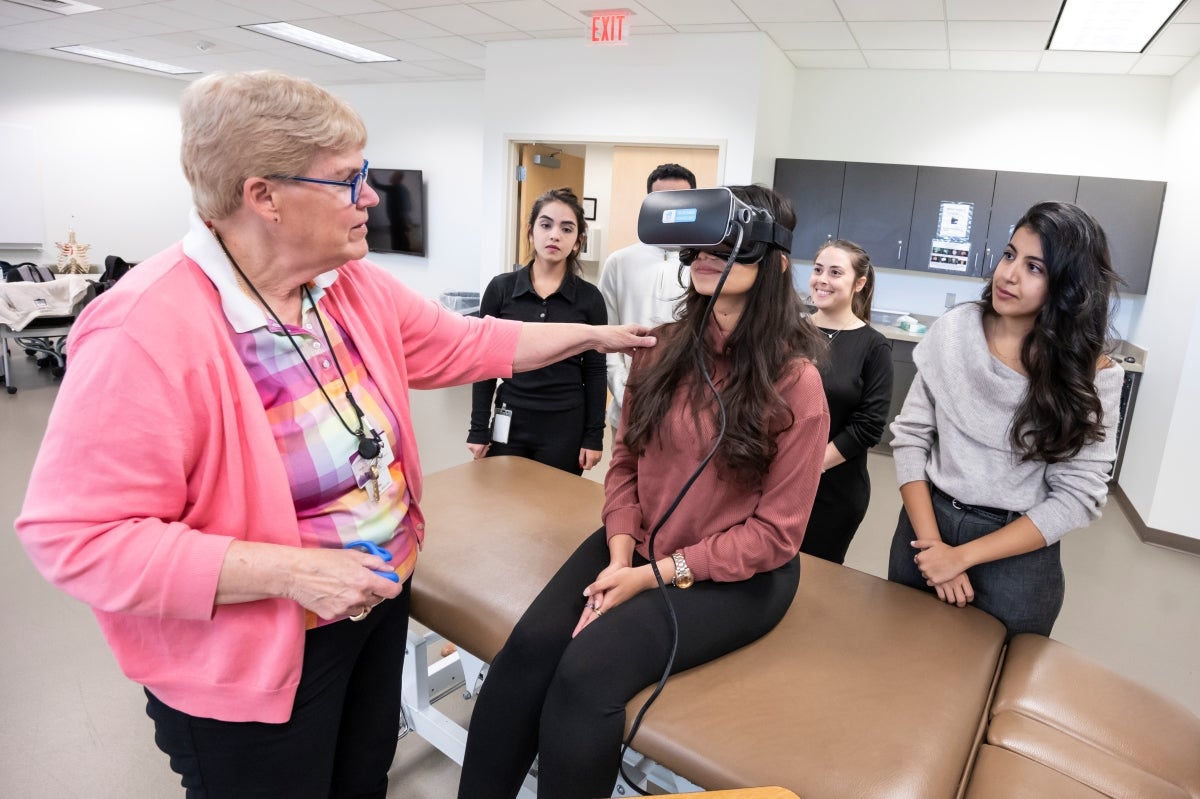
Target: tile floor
point(74, 727)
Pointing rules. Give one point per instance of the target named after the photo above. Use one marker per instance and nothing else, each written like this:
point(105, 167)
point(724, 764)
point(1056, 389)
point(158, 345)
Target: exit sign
point(608, 27)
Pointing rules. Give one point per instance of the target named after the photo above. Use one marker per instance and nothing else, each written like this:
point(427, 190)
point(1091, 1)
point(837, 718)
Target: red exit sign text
point(608, 27)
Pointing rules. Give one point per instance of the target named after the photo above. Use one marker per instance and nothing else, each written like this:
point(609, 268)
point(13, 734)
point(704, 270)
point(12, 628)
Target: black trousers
point(340, 740)
point(550, 437)
point(563, 699)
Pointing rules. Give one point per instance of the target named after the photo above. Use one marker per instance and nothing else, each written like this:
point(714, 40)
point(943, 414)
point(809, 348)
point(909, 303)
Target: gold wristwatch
point(683, 575)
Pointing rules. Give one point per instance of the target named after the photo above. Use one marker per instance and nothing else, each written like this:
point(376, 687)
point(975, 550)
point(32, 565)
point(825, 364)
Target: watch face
point(685, 581)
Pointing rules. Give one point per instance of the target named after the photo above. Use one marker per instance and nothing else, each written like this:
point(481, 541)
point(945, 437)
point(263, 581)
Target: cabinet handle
point(899, 249)
point(987, 261)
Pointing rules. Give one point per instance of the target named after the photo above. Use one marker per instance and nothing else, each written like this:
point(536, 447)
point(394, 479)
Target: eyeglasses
point(355, 183)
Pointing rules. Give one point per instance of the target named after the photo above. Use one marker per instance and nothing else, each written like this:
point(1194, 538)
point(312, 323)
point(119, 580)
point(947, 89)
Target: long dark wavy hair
point(1061, 412)
point(770, 335)
point(567, 198)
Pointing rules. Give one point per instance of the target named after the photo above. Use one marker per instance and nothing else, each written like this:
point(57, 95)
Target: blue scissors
point(371, 548)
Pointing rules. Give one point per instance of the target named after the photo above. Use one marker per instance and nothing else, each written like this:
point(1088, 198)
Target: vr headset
point(713, 220)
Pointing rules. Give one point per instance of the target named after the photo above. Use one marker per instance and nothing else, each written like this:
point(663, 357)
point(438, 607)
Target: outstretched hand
point(623, 338)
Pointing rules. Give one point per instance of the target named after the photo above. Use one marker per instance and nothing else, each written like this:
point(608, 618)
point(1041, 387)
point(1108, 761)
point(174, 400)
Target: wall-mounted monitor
point(397, 224)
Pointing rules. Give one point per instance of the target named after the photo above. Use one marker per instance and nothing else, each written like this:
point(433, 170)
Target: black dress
point(857, 375)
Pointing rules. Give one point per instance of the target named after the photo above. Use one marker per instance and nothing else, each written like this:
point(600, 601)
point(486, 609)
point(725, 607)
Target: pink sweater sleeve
point(772, 534)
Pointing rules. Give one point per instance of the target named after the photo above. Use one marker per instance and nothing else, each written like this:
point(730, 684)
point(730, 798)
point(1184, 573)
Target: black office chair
point(115, 268)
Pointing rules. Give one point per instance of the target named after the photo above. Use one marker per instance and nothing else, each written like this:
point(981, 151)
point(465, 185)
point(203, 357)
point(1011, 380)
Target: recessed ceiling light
point(318, 41)
point(58, 6)
point(1118, 26)
point(125, 58)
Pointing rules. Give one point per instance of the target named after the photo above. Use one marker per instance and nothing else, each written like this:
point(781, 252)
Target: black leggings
point(563, 699)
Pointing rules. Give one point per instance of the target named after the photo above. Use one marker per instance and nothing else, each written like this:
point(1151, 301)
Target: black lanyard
point(369, 447)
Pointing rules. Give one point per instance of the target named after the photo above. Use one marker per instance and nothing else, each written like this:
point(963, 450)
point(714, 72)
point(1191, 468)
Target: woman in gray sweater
point(1007, 436)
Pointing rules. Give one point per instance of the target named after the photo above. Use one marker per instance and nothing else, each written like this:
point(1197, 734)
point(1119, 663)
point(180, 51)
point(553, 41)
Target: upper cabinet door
point(950, 220)
point(877, 203)
point(1016, 193)
point(1129, 211)
point(815, 191)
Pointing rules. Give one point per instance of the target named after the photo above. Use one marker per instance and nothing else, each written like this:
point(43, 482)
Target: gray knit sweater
point(954, 432)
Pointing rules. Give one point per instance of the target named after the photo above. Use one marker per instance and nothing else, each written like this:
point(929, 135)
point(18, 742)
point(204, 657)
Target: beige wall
point(631, 165)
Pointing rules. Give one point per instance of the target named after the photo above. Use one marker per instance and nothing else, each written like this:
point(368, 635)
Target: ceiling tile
point(404, 5)
point(999, 35)
point(398, 25)
point(795, 11)
point(406, 69)
point(1006, 10)
point(1177, 39)
point(810, 35)
point(582, 8)
point(908, 59)
point(725, 27)
point(530, 15)
point(1159, 65)
point(344, 7)
point(899, 35)
point(172, 18)
point(1106, 63)
point(454, 47)
point(460, 19)
point(279, 10)
point(223, 13)
point(878, 10)
point(694, 12)
point(828, 59)
point(1189, 13)
point(13, 14)
point(500, 36)
point(991, 61)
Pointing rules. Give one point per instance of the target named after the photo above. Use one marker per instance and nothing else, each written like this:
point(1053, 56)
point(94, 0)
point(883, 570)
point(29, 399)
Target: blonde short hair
point(238, 125)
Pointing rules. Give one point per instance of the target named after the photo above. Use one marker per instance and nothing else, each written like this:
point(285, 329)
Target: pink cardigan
point(158, 454)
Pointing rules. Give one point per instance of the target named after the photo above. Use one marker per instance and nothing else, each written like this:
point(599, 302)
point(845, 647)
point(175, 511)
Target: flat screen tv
point(397, 224)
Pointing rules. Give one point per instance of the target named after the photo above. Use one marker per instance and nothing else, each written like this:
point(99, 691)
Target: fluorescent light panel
point(318, 41)
point(58, 6)
point(1118, 26)
point(125, 58)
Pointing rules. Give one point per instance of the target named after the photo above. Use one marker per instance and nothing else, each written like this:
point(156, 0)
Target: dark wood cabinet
point(891, 210)
point(1015, 193)
point(876, 210)
point(903, 372)
point(815, 191)
point(1129, 212)
point(968, 192)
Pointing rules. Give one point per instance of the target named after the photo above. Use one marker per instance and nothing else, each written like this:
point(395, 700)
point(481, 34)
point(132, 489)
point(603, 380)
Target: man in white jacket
point(641, 285)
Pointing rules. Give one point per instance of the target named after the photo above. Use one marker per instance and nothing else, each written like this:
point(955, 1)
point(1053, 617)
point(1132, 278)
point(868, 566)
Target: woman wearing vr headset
point(598, 633)
point(1007, 435)
point(553, 415)
point(858, 386)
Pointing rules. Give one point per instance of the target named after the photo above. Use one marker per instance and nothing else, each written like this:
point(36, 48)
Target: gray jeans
point(1025, 592)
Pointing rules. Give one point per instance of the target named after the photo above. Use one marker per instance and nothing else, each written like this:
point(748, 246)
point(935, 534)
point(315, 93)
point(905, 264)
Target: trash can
point(463, 302)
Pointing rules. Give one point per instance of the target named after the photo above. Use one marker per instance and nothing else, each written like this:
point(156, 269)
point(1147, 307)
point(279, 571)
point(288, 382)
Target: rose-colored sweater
point(726, 531)
point(158, 454)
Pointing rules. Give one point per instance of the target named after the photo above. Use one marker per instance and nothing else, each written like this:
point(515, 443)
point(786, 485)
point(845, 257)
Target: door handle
point(899, 249)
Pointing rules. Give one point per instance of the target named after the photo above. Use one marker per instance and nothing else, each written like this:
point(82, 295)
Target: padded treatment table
point(866, 688)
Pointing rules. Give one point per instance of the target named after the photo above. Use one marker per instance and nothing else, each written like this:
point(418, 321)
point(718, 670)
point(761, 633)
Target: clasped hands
point(943, 568)
point(616, 584)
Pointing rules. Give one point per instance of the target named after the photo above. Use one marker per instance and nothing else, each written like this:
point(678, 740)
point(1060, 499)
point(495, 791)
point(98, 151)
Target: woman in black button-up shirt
point(557, 412)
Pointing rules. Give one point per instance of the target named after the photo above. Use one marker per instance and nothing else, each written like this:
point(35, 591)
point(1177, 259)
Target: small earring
point(276, 220)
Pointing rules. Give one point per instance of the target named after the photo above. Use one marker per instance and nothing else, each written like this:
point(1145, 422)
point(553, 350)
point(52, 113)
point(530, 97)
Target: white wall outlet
point(950, 299)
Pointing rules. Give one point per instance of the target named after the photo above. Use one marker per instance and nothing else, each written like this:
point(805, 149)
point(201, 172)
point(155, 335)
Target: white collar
point(201, 245)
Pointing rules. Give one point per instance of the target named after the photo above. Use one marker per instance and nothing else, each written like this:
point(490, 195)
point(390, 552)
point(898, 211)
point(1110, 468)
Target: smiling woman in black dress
point(857, 374)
